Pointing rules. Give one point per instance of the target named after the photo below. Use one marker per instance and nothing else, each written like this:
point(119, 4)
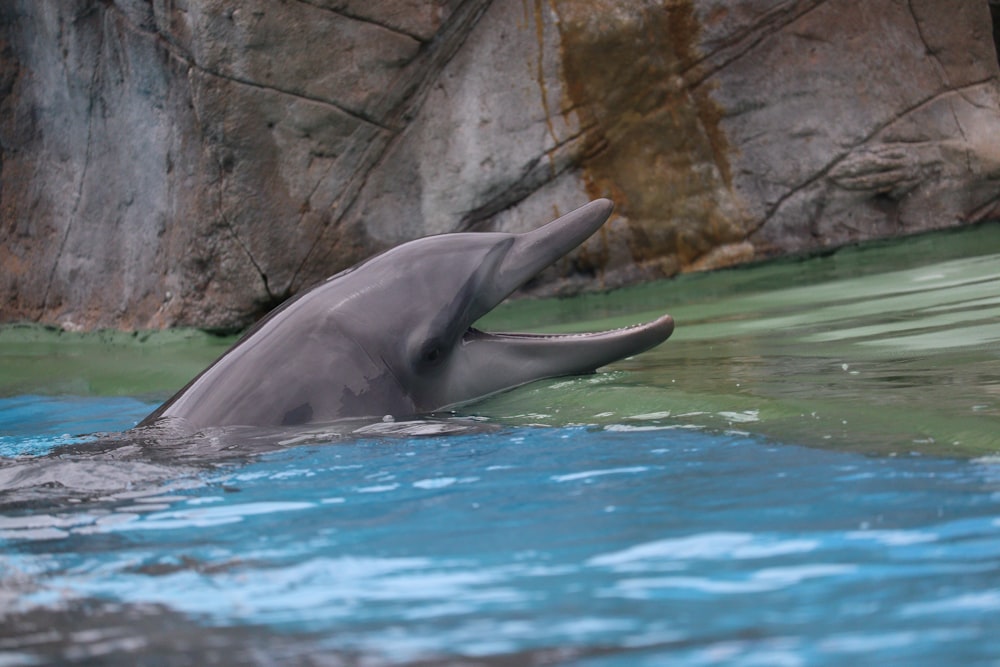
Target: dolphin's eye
point(433, 353)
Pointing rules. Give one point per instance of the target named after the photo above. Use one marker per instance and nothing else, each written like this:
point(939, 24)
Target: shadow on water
point(660, 512)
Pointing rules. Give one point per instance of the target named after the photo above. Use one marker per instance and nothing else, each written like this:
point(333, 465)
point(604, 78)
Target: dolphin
point(394, 336)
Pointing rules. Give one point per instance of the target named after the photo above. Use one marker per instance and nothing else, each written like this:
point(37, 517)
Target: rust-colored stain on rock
point(655, 145)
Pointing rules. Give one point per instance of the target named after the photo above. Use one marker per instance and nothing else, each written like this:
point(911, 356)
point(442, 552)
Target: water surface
point(807, 473)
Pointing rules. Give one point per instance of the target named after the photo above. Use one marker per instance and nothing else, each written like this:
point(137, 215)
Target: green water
point(41, 360)
point(885, 348)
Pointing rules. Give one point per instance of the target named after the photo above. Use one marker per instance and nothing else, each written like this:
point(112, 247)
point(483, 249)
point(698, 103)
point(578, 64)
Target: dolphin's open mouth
point(533, 251)
point(506, 359)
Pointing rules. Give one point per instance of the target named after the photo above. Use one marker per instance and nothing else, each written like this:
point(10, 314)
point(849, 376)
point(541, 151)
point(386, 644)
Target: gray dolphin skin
point(394, 336)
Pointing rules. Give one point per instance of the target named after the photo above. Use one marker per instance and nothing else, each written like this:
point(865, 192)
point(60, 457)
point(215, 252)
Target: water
point(808, 473)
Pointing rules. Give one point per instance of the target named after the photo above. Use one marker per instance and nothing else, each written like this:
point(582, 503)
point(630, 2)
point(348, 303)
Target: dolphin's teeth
point(581, 334)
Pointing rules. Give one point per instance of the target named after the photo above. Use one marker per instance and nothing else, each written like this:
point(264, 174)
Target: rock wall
point(195, 162)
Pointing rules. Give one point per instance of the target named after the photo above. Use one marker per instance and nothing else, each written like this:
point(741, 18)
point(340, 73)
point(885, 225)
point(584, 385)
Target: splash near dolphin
point(394, 336)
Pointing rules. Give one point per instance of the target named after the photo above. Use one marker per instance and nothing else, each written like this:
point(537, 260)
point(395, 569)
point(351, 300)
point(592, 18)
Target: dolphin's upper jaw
point(530, 253)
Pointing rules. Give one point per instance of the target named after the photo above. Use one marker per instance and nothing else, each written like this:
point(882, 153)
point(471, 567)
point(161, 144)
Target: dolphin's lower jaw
point(487, 363)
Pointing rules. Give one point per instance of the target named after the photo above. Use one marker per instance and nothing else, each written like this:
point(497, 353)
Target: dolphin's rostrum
point(394, 336)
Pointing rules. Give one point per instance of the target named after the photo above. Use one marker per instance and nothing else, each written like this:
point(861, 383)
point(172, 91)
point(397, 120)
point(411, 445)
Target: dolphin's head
point(395, 335)
point(430, 293)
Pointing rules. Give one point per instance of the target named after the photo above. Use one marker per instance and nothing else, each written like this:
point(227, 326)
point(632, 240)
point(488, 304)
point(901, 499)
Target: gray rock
point(169, 162)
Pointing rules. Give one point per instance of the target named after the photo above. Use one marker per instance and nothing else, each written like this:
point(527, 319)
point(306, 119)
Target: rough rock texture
point(182, 162)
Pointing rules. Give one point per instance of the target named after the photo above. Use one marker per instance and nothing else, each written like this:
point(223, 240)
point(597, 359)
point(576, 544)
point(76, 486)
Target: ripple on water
point(461, 546)
point(706, 546)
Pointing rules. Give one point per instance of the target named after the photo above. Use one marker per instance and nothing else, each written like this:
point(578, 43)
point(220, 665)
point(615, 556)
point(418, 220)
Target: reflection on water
point(827, 352)
point(724, 499)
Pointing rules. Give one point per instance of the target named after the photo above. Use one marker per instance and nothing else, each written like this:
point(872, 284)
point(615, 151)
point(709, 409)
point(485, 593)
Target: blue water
point(640, 542)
